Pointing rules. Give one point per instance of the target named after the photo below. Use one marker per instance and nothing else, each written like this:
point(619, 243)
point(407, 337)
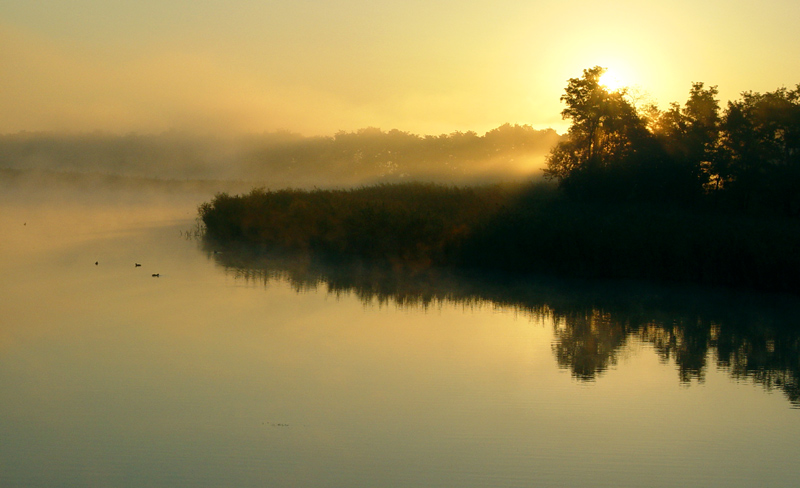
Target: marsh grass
point(520, 229)
point(415, 224)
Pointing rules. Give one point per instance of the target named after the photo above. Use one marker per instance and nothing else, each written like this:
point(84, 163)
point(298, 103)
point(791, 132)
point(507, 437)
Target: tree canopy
point(747, 155)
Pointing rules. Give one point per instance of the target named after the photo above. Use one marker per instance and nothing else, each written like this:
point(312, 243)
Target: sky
point(318, 67)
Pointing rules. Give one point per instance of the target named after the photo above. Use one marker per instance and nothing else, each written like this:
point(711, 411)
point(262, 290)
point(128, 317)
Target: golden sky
point(316, 67)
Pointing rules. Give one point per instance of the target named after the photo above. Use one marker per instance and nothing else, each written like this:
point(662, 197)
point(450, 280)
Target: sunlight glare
point(611, 81)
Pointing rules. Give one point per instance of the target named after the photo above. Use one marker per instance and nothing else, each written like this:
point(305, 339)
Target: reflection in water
point(752, 337)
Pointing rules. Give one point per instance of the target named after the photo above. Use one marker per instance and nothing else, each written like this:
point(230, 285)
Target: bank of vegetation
point(517, 229)
point(691, 194)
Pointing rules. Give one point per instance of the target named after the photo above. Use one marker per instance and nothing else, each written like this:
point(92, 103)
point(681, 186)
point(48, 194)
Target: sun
point(611, 81)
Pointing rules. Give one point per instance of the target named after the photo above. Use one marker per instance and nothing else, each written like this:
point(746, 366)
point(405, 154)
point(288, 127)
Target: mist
point(284, 159)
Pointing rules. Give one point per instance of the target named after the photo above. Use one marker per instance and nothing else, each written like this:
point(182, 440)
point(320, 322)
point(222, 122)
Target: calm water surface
point(223, 373)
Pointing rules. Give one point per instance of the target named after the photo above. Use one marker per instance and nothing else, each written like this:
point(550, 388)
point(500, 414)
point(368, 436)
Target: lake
point(238, 370)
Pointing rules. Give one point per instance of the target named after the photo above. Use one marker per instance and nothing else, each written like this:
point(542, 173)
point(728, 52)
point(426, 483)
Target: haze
point(316, 68)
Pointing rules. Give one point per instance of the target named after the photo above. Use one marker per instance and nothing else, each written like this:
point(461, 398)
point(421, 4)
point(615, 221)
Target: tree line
point(745, 156)
point(372, 155)
point(282, 158)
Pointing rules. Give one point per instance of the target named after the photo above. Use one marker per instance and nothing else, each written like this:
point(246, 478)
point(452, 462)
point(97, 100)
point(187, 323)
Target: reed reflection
point(752, 337)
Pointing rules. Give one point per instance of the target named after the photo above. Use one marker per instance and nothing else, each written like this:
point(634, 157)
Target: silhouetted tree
point(748, 157)
point(760, 163)
point(690, 136)
point(600, 156)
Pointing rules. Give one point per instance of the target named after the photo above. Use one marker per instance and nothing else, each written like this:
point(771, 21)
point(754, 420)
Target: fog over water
point(283, 159)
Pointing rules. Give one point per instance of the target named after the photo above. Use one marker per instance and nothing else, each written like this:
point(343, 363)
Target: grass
point(523, 228)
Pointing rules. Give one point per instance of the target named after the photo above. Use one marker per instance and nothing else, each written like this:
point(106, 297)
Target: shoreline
point(518, 229)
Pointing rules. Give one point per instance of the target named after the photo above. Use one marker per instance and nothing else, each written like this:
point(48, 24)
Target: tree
point(602, 140)
point(760, 146)
point(689, 135)
point(687, 138)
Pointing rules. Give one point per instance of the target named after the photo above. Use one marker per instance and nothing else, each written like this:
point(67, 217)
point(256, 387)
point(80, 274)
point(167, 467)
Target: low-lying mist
point(284, 159)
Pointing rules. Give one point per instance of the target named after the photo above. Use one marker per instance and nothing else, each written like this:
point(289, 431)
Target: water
point(232, 371)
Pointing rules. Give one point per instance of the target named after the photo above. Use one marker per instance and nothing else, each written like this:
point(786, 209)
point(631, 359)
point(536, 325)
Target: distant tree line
point(372, 155)
point(282, 159)
point(746, 157)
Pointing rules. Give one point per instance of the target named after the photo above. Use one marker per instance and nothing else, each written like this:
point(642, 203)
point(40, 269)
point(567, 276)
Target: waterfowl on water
point(156, 275)
point(136, 265)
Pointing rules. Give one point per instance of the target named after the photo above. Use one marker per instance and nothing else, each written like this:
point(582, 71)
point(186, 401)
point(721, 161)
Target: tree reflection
point(587, 342)
point(752, 337)
point(686, 341)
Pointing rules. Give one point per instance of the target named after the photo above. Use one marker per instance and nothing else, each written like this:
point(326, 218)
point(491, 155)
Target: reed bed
point(522, 228)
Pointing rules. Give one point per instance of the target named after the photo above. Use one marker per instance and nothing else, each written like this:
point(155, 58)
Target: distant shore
point(524, 229)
